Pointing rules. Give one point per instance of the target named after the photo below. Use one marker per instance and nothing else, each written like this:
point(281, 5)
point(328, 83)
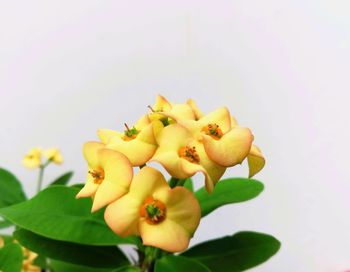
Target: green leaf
point(40, 261)
point(62, 180)
point(59, 266)
point(172, 263)
point(228, 191)
point(55, 213)
point(11, 191)
point(189, 184)
point(235, 253)
point(94, 256)
point(11, 258)
point(5, 224)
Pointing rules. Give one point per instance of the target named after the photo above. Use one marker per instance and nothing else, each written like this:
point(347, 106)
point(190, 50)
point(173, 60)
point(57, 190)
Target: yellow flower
point(183, 156)
point(256, 161)
point(33, 158)
point(109, 175)
point(225, 144)
point(137, 142)
point(165, 218)
point(2, 243)
point(163, 109)
point(54, 155)
point(28, 265)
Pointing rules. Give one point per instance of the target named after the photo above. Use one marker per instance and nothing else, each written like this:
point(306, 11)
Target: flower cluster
point(184, 141)
point(34, 158)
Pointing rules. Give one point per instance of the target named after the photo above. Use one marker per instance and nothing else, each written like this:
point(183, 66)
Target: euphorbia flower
point(33, 158)
point(2, 243)
point(256, 160)
point(226, 145)
point(54, 155)
point(183, 156)
point(165, 218)
point(137, 142)
point(179, 111)
point(109, 175)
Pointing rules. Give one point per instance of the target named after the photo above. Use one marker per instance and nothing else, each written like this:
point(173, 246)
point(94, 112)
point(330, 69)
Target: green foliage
point(63, 180)
point(172, 263)
point(188, 184)
point(94, 256)
point(235, 253)
point(11, 191)
point(58, 266)
point(228, 191)
point(11, 258)
point(5, 224)
point(55, 213)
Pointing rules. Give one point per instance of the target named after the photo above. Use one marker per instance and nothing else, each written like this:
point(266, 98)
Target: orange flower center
point(154, 211)
point(213, 130)
point(98, 176)
point(130, 133)
point(189, 153)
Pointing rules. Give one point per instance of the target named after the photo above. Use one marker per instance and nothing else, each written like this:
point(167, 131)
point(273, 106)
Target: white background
point(282, 67)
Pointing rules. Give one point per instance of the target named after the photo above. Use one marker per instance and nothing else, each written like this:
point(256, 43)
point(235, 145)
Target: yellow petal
point(168, 235)
point(2, 243)
point(233, 122)
point(182, 207)
point(90, 152)
point(106, 135)
point(221, 117)
point(147, 181)
point(231, 149)
point(122, 216)
point(138, 152)
point(161, 104)
point(89, 188)
point(142, 122)
point(182, 111)
point(256, 161)
point(197, 112)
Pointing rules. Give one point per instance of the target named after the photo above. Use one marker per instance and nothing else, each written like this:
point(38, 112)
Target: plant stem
point(41, 176)
point(173, 182)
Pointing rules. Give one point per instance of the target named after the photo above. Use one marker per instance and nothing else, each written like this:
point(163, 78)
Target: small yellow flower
point(32, 159)
point(54, 155)
point(137, 143)
point(2, 243)
point(183, 156)
point(28, 265)
point(165, 218)
point(109, 175)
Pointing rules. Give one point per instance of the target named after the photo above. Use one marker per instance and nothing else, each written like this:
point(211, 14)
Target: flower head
point(54, 155)
point(2, 242)
point(165, 218)
point(137, 143)
point(32, 159)
point(182, 156)
point(109, 175)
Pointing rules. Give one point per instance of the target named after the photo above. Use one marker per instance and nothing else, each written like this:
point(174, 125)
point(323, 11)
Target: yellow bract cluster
point(184, 141)
point(34, 158)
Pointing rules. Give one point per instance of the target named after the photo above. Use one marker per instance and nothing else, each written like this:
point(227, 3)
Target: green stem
point(173, 182)
point(41, 175)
